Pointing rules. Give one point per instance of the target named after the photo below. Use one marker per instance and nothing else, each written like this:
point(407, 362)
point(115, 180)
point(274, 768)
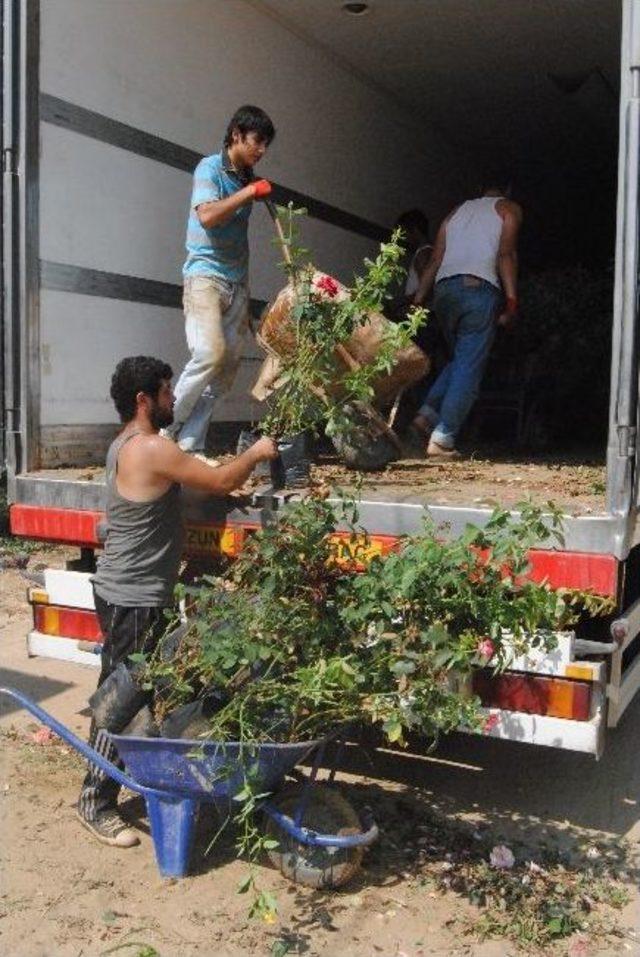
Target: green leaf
point(555, 926)
point(393, 729)
point(280, 948)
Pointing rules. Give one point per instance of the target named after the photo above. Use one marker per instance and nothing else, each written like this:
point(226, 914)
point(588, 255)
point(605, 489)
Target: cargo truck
point(379, 106)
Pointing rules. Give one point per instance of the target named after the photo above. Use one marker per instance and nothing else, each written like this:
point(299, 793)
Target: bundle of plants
point(295, 644)
point(331, 349)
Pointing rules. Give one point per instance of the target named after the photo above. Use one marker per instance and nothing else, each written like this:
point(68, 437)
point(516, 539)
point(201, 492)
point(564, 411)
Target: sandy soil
point(62, 895)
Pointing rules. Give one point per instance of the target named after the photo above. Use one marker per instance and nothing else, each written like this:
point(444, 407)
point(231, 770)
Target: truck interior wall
point(178, 69)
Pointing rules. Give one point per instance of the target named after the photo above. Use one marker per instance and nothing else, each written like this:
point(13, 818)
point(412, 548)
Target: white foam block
point(64, 649)
point(69, 589)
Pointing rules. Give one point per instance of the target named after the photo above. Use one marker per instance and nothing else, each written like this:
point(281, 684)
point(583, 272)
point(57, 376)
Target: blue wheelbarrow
point(321, 838)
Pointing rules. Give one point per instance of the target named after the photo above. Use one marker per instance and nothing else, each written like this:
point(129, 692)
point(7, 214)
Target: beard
point(160, 418)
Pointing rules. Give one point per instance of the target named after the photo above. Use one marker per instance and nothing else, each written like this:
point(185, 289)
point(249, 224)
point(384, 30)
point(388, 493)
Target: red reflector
point(534, 694)
point(55, 524)
point(582, 570)
point(67, 622)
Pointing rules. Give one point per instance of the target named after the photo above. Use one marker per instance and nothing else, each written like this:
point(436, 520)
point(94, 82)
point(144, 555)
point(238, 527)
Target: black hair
point(137, 374)
point(496, 177)
point(414, 219)
point(250, 119)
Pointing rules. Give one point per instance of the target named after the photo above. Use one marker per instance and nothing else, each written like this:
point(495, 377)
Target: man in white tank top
point(475, 268)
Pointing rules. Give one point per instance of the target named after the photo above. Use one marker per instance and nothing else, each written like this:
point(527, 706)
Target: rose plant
point(296, 643)
point(315, 387)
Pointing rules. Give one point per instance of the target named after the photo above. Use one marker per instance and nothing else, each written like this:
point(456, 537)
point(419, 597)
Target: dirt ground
point(62, 895)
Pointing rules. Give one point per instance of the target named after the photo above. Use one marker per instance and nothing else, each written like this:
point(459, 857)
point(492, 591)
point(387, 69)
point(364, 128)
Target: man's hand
point(508, 314)
point(220, 211)
point(260, 188)
point(265, 448)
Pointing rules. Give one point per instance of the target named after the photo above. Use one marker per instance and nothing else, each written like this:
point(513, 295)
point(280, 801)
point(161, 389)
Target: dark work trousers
point(125, 632)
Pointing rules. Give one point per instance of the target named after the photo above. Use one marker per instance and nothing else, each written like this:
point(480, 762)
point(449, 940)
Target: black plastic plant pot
point(191, 720)
point(294, 462)
point(118, 700)
point(292, 468)
point(246, 439)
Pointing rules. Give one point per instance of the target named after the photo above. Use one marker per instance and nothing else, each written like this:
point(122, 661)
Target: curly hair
point(137, 374)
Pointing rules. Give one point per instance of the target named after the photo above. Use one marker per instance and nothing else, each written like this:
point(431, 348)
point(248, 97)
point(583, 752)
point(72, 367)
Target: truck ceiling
point(530, 85)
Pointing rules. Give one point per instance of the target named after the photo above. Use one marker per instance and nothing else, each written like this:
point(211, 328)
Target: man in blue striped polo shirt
point(216, 295)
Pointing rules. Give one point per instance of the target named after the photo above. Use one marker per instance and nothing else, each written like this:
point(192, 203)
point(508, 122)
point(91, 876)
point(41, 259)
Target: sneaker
point(109, 828)
point(435, 451)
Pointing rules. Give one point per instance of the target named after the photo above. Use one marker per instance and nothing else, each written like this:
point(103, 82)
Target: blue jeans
point(466, 308)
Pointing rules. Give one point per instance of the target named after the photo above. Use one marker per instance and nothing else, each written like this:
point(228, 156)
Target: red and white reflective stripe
point(598, 573)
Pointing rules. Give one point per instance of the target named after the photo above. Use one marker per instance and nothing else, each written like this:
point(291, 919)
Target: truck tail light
point(534, 694)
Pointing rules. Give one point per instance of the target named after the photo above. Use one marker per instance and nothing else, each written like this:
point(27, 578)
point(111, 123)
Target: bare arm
point(429, 274)
point(221, 210)
point(422, 260)
point(507, 261)
point(508, 251)
point(170, 462)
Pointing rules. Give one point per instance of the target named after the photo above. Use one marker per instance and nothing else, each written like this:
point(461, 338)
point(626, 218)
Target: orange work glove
point(261, 188)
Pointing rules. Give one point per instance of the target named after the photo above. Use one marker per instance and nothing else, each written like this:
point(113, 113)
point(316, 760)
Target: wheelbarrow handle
point(306, 835)
point(83, 748)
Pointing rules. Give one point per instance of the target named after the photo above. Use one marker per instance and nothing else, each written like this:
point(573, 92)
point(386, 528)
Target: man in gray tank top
point(474, 266)
point(138, 570)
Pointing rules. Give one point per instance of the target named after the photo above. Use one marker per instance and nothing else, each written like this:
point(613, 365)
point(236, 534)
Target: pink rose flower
point(327, 285)
point(486, 648)
point(490, 723)
point(43, 736)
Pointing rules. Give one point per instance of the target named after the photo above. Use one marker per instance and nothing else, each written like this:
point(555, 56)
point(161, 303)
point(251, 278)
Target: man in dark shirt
point(138, 570)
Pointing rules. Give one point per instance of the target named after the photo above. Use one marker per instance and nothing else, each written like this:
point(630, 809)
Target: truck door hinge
point(8, 160)
point(627, 441)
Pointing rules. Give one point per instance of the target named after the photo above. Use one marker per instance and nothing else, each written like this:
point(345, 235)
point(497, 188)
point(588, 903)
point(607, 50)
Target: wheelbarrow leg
point(173, 825)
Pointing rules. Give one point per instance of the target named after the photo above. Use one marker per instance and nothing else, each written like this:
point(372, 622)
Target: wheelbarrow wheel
point(327, 812)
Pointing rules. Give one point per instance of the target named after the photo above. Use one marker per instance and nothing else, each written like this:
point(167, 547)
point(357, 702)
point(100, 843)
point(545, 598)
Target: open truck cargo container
point(106, 110)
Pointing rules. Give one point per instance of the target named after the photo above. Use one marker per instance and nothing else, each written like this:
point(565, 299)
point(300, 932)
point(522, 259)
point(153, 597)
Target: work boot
point(435, 451)
point(109, 828)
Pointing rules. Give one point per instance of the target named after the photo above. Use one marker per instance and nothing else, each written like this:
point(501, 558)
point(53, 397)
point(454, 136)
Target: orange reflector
point(67, 622)
point(534, 694)
point(582, 672)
